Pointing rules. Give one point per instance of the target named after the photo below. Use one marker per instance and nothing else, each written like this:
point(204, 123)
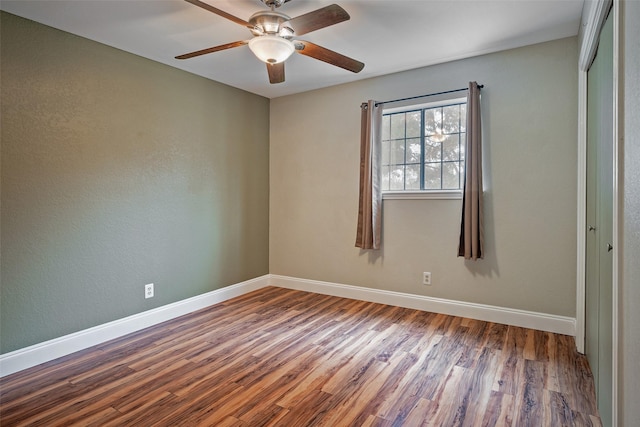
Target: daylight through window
point(423, 147)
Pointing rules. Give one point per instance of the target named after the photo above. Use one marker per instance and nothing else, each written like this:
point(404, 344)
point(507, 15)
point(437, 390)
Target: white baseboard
point(49, 350)
point(488, 313)
point(43, 352)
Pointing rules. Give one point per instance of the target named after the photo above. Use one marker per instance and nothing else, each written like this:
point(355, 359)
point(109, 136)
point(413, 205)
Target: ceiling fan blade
point(276, 72)
point(220, 13)
point(317, 19)
point(328, 56)
point(211, 49)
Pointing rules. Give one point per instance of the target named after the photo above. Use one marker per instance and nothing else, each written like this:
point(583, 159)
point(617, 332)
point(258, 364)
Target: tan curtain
point(370, 204)
point(471, 228)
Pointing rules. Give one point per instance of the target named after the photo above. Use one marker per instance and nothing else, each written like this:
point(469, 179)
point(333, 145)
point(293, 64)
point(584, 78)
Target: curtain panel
point(471, 244)
point(369, 231)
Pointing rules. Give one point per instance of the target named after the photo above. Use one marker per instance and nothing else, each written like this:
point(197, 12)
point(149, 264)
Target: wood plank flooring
point(278, 357)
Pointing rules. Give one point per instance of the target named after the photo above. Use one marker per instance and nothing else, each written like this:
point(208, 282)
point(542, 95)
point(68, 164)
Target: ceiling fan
point(273, 37)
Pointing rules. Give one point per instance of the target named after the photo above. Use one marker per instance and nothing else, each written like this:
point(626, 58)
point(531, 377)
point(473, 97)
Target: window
point(423, 147)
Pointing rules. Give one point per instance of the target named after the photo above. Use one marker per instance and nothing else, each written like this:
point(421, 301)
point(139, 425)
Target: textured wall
point(530, 121)
point(117, 172)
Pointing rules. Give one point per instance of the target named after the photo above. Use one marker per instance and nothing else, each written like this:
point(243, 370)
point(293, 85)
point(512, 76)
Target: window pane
point(397, 152)
point(386, 128)
point(432, 176)
point(451, 119)
point(432, 120)
point(413, 150)
point(412, 177)
point(432, 150)
point(385, 178)
point(396, 178)
point(438, 158)
point(450, 175)
point(397, 126)
point(451, 147)
point(384, 152)
point(413, 124)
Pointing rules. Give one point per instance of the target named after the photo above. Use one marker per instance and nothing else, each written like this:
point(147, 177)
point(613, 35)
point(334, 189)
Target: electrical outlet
point(426, 278)
point(148, 290)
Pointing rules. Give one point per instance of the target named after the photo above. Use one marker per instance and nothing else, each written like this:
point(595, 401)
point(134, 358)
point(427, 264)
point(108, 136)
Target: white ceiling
point(388, 36)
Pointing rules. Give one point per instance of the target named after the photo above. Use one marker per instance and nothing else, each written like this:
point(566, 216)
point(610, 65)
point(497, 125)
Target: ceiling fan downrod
point(274, 3)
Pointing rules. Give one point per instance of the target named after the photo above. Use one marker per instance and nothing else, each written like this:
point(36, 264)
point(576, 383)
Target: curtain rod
point(424, 96)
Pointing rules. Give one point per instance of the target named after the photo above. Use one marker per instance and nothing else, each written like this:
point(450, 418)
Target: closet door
point(599, 273)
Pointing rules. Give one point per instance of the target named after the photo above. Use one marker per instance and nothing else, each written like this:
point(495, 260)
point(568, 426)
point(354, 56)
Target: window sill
point(422, 195)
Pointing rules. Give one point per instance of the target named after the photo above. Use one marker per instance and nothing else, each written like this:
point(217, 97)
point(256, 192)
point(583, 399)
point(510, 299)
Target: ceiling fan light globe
point(271, 49)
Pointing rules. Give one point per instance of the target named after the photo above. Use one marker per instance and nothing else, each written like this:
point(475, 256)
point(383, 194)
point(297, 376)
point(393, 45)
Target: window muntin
point(423, 147)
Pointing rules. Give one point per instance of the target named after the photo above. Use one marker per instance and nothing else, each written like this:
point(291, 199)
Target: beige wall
point(530, 120)
point(116, 172)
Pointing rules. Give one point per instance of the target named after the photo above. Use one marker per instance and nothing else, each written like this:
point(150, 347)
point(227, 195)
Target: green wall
point(116, 172)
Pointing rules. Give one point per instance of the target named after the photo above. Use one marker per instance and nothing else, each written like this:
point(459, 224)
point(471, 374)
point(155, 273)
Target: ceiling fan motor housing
point(270, 23)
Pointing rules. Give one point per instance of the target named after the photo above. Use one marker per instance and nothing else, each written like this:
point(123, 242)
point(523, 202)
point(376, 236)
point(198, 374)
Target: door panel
point(599, 269)
point(592, 274)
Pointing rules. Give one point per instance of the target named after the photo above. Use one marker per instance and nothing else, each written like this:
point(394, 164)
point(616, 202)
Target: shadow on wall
point(373, 255)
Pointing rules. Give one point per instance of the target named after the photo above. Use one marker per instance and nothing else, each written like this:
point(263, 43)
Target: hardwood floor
point(277, 357)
